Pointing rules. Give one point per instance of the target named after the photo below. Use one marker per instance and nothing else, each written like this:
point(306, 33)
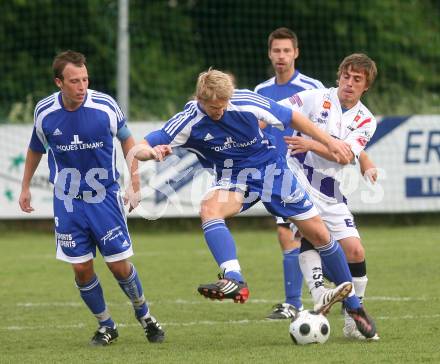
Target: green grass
point(43, 320)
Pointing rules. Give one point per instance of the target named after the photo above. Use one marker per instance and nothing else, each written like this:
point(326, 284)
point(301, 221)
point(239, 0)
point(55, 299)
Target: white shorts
point(337, 217)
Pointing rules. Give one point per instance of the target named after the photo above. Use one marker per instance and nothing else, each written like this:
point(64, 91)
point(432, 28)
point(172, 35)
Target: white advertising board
point(406, 151)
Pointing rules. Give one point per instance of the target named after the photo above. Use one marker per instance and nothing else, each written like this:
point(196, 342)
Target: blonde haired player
point(221, 127)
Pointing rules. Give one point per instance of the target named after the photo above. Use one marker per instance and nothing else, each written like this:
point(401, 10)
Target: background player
point(221, 128)
point(283, 51)
point(77, 126)
point(339, 112)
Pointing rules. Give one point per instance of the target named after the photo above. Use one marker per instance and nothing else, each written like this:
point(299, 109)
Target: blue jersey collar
point(60, 100)
point(295, 75)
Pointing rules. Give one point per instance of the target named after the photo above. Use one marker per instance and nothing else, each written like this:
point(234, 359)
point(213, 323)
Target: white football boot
point(330, 296)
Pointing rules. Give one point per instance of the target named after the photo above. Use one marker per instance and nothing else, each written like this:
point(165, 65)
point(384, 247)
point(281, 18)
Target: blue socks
point(220, 241)
point(333, 258)
point(292, 277)
point(132, 287)
point(327, 274)
point(92, 295)
point(222, 246)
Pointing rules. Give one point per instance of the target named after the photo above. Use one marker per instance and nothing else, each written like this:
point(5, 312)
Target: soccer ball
point(309, 327)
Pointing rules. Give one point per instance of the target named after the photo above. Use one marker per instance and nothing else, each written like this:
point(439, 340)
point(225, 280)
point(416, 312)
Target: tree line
point(171, 41)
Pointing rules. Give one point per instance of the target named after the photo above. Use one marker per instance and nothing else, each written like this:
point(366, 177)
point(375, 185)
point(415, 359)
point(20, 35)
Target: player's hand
point(368, 168)
point(160, 152)
point(340, 150)
point(144, 152)
point(132, 198)
point(297, 144)
point(371, 174)
point(25, 201)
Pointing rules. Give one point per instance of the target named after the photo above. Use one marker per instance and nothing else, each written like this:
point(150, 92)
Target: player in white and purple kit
point(221, 127)
point(77, 127)
point(339, 112)
point(283, 51)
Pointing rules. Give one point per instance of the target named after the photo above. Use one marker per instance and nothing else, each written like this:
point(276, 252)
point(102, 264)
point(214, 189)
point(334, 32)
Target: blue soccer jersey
point(243, 156)
point(80, 143)
point(82, 157)
point(235, 141)
point(277, 92)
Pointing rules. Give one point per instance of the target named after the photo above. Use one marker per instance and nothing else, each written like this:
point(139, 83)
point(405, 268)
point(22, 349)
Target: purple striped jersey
point(277, 92)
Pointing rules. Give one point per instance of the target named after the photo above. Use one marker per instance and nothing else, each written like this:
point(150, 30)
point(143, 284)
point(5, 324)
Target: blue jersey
point(235, 141)
point(277, 92)
point(80, 143)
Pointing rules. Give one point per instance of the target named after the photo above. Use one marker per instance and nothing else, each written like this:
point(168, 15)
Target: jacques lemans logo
point(231, 143)
point(78, 144)
point(76, 140)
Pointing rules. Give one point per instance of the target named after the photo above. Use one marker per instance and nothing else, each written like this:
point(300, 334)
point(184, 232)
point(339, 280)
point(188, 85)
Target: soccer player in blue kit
point(221, 126)
point(77, 126)
point(283, 51)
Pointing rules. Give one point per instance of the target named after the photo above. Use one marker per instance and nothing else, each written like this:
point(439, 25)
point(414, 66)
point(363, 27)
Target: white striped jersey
point(235, 141)
point(277, 92)
point(355, 126)
point(82, 139)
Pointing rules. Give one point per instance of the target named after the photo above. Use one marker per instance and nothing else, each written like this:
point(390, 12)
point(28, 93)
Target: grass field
point(43, 320)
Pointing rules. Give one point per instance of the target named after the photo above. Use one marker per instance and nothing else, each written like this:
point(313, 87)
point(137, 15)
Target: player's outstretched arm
point(32, 161)
point(299, 144)
point(143, 151)
point(132, 194)
point(339, 149)
point(368, 168)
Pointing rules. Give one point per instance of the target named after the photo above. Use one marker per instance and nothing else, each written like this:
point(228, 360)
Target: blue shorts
point(78, 231)
point(274, 185)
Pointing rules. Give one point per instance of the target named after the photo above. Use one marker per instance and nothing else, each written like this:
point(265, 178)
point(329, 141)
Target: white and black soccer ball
point(309, 327)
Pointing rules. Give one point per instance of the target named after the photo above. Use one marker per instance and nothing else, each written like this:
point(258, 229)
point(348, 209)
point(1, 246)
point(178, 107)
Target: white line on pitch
point(202, 322)
point(201, 301)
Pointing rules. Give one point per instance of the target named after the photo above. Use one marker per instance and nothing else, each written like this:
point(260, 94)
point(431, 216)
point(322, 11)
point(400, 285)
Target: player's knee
point(284, 233)
point(286, 238)
point(314, 231)
point(208, 211)
point(355, 253)
point(83, 272)
point(120, 269)
point(318, 237)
